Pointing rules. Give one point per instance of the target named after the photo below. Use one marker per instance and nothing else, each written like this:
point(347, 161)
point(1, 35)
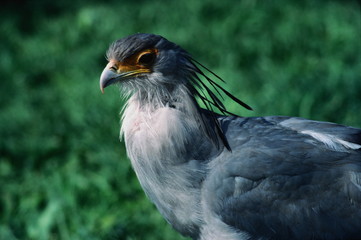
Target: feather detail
point(215, 85)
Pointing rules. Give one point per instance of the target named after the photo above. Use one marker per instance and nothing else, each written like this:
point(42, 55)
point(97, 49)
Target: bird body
point(215, 176)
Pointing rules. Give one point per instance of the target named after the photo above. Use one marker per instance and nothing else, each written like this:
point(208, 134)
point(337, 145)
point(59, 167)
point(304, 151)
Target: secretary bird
point(224, 177)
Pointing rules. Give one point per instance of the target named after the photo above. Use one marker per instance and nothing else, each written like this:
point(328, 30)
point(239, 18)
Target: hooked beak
point(107, 78)
point(110, 75)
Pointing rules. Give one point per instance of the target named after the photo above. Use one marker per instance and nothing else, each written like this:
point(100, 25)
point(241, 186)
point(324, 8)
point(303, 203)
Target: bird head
point(144, 62)
point(151, 64)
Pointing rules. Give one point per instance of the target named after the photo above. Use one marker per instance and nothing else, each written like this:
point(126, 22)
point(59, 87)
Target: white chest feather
point(156, 143)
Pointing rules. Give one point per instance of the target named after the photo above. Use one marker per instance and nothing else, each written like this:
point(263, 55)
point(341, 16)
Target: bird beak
point(111, 75)
point(107, 78)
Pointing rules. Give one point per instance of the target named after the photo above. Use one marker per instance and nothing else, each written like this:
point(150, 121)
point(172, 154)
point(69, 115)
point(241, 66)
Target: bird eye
point(146, 58)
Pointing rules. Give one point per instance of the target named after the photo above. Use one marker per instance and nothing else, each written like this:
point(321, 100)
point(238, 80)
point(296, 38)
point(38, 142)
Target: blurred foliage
point(63, 172)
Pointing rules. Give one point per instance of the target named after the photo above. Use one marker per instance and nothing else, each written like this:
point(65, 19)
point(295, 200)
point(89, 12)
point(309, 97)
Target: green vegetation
point(63, 172)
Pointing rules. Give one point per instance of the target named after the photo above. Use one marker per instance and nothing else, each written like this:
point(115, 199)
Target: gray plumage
point(217, 177)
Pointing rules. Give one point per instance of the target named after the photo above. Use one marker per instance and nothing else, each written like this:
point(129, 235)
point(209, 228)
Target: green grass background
point(63, 172)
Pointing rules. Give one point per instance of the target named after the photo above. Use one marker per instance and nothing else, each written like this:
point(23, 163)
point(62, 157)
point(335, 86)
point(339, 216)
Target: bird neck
point(172, 119)
point(164, 96)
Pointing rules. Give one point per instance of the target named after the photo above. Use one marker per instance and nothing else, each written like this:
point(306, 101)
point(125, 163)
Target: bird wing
point(288, 178)
point(335, 136)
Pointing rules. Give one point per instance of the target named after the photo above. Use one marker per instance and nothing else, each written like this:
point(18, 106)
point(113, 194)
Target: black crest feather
point(200, 89)
point(214, 99)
